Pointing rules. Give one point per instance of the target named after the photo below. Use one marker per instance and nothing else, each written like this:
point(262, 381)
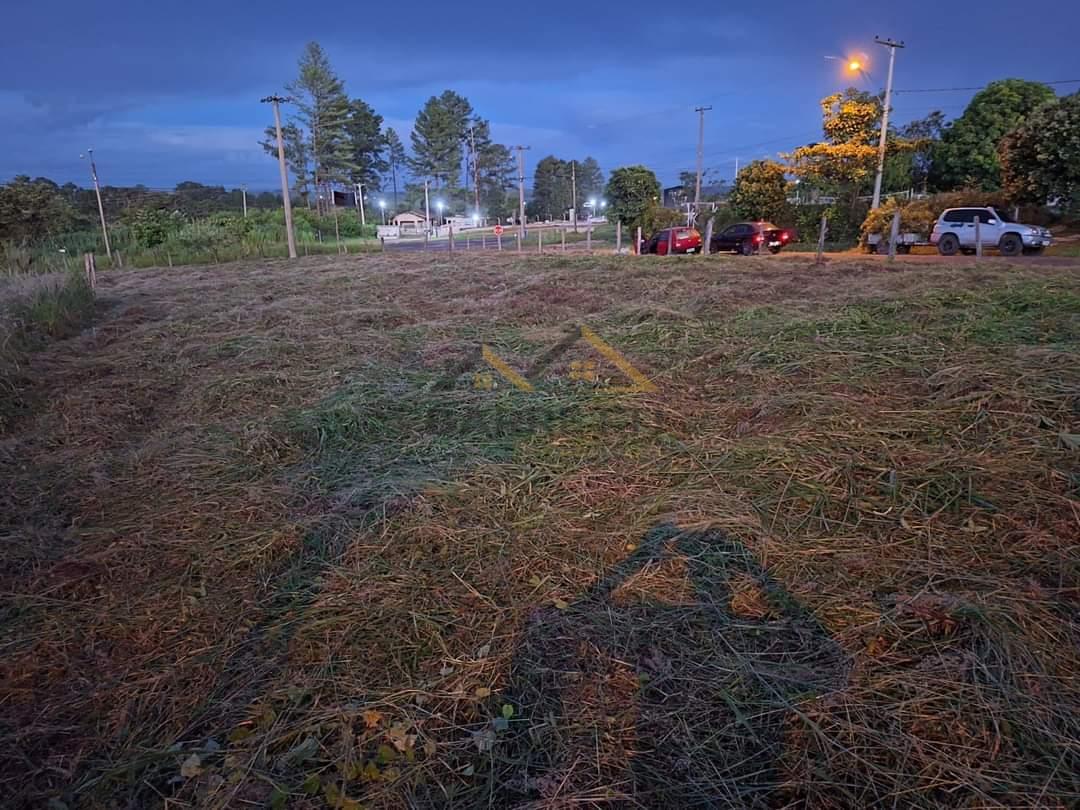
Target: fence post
point(425, 241)
point(671, 242)
point(382, 244)
point(821, 241)
point(450, 241)
point(91, 270)
point(517, 233)
point(169, 255)
point(978, 238)
point(588, 238)
point(707, 247)
point(563, 231)
point(637, 242)
point(894, 235)
point(483, 241)
point(539, 241)
point(499, 238)
point(618, 236)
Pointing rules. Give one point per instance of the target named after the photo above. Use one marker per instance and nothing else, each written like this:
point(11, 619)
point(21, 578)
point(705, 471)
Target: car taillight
point(784, 236)
point(759, 239)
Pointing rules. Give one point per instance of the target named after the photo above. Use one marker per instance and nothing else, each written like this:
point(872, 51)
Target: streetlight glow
point(854, 65)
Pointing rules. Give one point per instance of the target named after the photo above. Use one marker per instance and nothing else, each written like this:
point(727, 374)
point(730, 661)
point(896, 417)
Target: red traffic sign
point(498, 230)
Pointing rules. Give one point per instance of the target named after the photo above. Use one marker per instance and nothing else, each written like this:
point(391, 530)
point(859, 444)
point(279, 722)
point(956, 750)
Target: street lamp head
point(854, 65)
point(603, 203)
point(592, 202)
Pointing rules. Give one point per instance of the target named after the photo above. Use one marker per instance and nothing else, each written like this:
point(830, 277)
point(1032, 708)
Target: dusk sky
point(166, 92)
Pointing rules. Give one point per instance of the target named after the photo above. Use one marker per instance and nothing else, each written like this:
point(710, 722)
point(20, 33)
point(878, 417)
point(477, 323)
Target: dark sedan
point(748, 238)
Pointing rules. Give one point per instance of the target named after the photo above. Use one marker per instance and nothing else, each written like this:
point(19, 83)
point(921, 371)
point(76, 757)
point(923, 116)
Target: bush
point(917, 217)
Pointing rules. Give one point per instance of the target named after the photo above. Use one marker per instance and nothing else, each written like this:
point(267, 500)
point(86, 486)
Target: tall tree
point(590, 180)
point(438, 138)
point(632, 191)
point(921, 137)
point(317, 137)
point(760, 192)
point(1040, 160)
point(551, 194)
point(395, 158)
point(844, 162)
point(967, 156)
point(366, 144)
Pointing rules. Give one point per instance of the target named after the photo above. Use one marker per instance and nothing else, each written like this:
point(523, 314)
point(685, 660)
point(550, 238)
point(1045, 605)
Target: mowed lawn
point(275, 535)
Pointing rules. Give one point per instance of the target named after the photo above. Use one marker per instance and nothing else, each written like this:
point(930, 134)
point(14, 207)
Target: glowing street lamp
point(382, 207)
point(440, 205)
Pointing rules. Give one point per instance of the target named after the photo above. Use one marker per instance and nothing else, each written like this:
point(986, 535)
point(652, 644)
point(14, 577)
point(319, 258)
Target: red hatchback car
point(679, 240)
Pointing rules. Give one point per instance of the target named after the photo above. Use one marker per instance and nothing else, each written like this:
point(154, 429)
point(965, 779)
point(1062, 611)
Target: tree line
point(1016, 140)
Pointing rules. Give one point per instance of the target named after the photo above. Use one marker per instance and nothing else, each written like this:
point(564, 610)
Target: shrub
point(917, 217)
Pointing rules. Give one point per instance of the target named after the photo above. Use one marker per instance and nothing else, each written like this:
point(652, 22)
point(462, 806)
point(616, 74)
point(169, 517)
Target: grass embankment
point(296, 557)
point(35, 309)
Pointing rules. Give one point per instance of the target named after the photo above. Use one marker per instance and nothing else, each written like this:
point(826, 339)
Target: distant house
point(410, 222)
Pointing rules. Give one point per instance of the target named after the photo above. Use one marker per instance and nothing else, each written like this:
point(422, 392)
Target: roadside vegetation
point(270, 543)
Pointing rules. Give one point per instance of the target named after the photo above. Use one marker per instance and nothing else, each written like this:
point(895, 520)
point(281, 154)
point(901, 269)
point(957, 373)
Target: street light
point(440, 205)
point(382, 207)
point(855, 64)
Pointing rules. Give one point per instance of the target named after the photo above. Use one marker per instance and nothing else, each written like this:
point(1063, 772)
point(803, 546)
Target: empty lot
point(274, 534)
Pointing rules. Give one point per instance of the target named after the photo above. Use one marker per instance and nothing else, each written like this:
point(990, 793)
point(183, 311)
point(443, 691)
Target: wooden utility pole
point(573, 190)
point(700, 162)
point(521, 189)
point(243, 199)
point(100, 207)
point(286, 201)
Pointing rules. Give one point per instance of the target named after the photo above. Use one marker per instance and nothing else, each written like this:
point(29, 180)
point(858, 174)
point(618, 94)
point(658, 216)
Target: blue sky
point(166, 92)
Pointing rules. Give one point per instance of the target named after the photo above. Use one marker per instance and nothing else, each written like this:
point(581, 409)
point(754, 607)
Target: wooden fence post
point(618, 236)
point(894, 235)
point(563, 231)
point(450, 241)
point(821, 241)
point(978, 238)
point(637, 242)
point(539, 241)
point(499, 237)
point(588, 238)
point(671, 242)
point(517, 233)
point(707, 247)
point(90, 267)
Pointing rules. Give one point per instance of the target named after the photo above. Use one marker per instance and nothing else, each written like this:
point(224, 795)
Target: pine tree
point(590, 180)
point(323, 113)
point(552, 193)
point(438, 137)
point(395, 158)
point(297, 155)
point(494, 166)
point(367, 145)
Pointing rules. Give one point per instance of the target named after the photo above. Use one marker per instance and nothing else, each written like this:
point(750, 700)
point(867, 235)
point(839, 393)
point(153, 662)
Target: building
point(410, 222)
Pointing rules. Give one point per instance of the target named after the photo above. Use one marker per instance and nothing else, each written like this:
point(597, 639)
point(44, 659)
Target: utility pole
point(427, 209)
point(736, 168)
point(892, 46)
point(573, 190)
point(100, 207)
point(521, 188)
point(243, 199)
point(700, 160)
point(276, 101)
point(475, 168)
point(360, 202)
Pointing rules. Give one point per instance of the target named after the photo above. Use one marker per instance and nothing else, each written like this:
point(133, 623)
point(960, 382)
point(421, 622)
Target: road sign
point(498, 230)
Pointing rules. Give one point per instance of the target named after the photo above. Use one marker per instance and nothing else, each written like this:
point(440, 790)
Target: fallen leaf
point(561, 604)
point(385, 754)
point(507, 711)
point(372, 718)
point(371, 772)
point(430, 747)
point(399, 736)
point(191, 767)
point(482, 692)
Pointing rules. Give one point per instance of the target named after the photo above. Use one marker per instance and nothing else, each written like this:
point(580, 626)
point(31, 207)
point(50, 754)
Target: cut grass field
point(265, 542)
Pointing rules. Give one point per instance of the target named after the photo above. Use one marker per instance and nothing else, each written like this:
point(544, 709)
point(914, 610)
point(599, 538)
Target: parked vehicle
point(679, 240)
point(748, 237)
point(954, 232)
